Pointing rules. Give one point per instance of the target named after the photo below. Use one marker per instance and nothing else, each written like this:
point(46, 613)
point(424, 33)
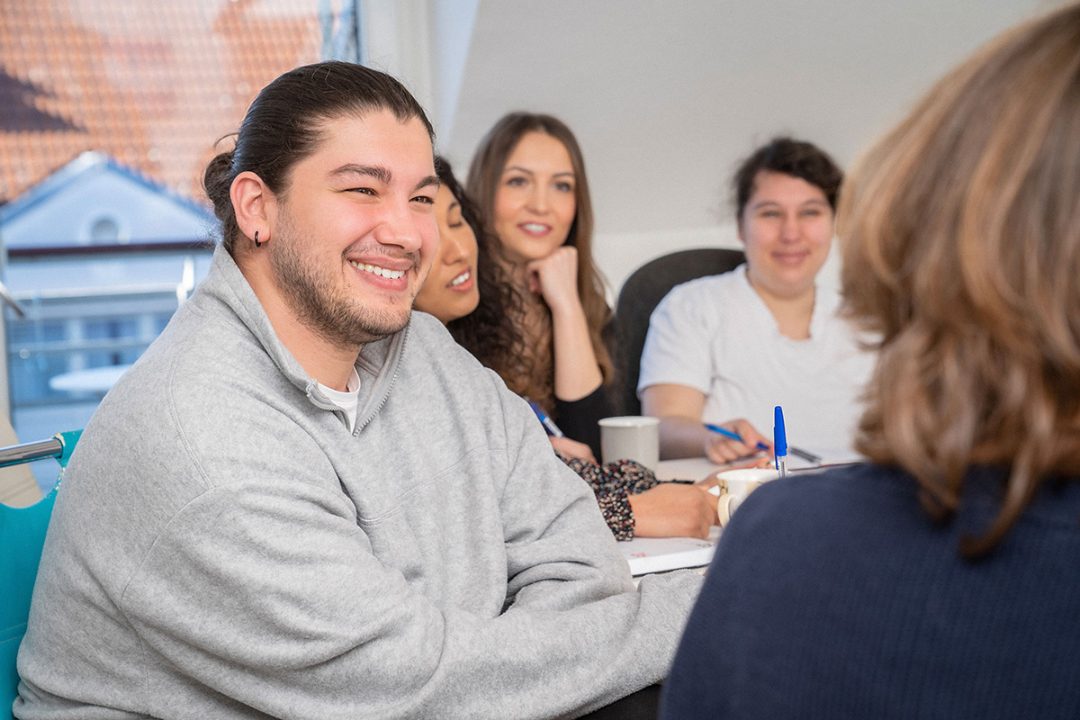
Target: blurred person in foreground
point(306, 501)
point(942, 578)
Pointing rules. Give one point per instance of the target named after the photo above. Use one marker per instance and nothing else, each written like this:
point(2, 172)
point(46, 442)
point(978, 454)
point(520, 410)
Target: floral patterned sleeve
point(613, 484)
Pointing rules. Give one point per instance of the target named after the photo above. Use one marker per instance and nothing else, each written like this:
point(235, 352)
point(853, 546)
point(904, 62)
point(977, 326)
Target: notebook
point(652, 555)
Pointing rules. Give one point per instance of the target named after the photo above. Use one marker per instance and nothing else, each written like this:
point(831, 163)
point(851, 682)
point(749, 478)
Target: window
point(109, 119)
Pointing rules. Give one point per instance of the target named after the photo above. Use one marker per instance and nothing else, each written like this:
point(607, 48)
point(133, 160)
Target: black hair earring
point(257, 243)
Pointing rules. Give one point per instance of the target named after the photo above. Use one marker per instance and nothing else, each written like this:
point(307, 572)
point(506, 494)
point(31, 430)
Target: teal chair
point(22, 536)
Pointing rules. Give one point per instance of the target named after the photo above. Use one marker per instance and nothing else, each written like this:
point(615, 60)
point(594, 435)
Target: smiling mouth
point(535, 228)
point(379, 271)
point(461, 279)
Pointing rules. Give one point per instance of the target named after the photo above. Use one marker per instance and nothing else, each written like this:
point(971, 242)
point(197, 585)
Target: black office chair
point(642, 292)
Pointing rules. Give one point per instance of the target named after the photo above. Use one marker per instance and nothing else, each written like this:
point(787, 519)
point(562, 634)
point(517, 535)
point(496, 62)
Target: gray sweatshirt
point(223, 547)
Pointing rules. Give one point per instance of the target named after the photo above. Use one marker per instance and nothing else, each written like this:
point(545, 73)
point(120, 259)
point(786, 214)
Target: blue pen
point(780, 440)
point(732, 435)
point(549, 424)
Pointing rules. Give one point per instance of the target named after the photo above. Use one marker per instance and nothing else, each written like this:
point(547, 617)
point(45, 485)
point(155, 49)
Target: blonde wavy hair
point(960, 233)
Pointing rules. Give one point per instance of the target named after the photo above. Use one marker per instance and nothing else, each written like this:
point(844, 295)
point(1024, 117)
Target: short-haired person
point(306, 502)
point(528, 178)
point(631, 499)
point(942, 579)
point(765, 334)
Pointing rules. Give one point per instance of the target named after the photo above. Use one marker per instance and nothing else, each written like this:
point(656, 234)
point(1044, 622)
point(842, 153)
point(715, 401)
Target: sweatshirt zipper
point(390, 386)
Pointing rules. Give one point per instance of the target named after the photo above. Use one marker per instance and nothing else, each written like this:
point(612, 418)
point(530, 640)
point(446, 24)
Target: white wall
point(667, 95)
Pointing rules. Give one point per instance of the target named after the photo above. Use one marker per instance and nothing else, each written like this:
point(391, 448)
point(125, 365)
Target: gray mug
point(631, 437)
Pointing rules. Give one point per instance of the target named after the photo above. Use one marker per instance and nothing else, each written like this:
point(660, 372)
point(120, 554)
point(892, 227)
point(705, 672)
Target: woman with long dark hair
point(465, 291)
point(528, 179)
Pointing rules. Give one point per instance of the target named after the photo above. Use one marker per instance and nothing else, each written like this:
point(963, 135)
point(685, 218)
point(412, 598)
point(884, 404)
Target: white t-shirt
point(347, 400)
point(715, 334)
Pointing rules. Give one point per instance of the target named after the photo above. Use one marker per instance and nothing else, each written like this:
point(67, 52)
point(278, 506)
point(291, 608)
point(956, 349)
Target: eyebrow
point(381, 174)
point(376, 171)
point(811, 201)
point(530, 172)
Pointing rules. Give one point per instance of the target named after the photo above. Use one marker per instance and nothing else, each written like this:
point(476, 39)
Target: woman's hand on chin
point(555, 278)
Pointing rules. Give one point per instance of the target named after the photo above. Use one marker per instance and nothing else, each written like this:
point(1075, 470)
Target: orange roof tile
point(152, 85)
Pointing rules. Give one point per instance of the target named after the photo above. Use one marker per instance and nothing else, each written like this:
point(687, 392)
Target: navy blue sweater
point(835, 596)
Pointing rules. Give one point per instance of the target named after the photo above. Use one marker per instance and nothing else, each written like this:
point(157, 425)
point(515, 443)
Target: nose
point(452, 250)
point(400, 227)
point(538, 199)
point(789, 230)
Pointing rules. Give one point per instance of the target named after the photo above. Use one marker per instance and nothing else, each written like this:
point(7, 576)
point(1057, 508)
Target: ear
point(254, 204)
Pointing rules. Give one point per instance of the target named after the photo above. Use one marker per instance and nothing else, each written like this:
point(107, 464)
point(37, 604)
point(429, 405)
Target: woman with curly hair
point(632, 501)
point(462, 273)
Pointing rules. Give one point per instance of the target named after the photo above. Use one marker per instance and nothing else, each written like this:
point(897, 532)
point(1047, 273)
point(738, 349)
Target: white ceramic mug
point(735, 486)
point(631, 437)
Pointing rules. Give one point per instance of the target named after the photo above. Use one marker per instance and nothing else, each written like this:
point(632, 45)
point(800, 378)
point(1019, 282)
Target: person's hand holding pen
point(737, 440)
point(559, 442)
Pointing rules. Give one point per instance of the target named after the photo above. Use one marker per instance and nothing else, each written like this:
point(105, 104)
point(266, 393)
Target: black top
point(835, 596)
point(579, 418)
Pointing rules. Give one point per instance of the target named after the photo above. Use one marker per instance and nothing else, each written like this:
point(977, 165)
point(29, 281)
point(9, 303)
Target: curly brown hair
point(488, 331)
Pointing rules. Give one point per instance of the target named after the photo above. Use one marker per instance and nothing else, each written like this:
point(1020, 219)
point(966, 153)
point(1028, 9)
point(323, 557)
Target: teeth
point(534, 227)
point(460, 278)
point(380, 271)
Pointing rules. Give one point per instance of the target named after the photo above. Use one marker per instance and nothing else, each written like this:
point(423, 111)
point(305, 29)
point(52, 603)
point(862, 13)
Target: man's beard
point(320, 303)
